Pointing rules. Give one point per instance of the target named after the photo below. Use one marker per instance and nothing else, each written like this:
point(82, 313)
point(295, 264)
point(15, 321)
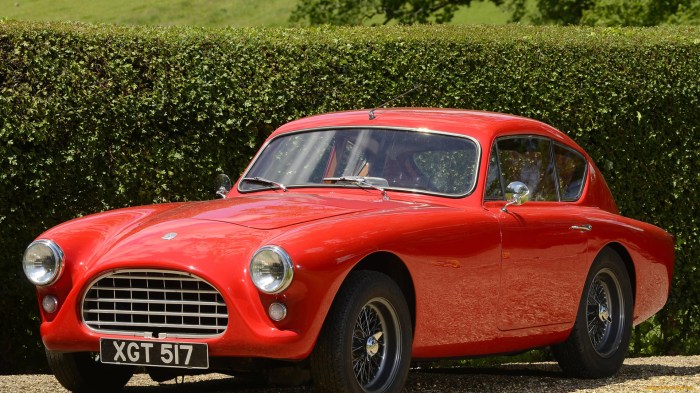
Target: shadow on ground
point(509, 378)
point(538, 377)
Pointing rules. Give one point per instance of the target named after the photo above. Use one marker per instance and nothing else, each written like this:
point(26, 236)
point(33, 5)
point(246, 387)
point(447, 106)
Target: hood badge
point(169, 236)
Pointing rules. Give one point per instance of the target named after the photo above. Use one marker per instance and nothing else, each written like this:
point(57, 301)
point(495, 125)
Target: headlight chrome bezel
point(284, 259)
point(58, 259)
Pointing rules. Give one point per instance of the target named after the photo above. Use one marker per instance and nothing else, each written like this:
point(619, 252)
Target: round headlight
point(271, 269)
point(42, 262)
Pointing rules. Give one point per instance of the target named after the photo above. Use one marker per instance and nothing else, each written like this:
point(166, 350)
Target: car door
point(543, 242)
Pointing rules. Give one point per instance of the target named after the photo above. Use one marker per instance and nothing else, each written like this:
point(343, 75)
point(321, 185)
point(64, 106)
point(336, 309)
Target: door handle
point(584, 227)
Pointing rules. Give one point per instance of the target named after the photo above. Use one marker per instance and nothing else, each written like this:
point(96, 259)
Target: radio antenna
point(372, 116)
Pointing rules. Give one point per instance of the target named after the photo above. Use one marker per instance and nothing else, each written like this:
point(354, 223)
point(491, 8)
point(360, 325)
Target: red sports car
point(354, 243)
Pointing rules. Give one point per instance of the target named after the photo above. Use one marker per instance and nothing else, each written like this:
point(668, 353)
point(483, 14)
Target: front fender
point(83, 239)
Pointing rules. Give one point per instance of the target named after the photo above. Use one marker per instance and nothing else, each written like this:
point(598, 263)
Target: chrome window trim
point(391, 128)
point(102, 332)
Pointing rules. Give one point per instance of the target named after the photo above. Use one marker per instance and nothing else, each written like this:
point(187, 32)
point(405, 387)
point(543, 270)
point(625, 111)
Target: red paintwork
point(485, 281)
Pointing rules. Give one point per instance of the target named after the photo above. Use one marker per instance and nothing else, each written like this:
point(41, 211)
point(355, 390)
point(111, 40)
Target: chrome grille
point(153, 302)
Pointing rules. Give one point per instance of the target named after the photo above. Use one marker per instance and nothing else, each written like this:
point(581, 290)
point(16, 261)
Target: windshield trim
point(398, 189)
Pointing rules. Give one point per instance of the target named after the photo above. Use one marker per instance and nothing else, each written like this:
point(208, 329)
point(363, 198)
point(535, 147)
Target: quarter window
point(494, 189)
point(571, 172)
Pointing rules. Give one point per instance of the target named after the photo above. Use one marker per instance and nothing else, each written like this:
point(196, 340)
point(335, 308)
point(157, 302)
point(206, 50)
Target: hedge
point(100, 117)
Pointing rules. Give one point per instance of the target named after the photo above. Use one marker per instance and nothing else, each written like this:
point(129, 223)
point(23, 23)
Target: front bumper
point(249, 333)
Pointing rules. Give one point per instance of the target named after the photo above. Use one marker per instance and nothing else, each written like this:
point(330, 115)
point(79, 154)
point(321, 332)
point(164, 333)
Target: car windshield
point(415, 161)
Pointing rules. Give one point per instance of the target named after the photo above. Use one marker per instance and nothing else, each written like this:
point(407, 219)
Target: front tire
point(83, 372)
point(365, 343)
point(599, 339)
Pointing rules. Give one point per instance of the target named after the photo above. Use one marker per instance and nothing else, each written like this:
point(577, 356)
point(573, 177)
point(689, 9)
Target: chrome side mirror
point(223, 183)
point(517, 193)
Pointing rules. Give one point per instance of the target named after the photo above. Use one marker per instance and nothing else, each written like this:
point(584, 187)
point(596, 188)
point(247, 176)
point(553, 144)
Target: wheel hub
point(603, 313)
point(372, 346)
point(373, 357)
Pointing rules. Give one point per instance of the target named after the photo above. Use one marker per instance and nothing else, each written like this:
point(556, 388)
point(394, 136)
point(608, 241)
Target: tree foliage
point(607, 12)
point(642, 13)
point(540, 12)
point(359, 12)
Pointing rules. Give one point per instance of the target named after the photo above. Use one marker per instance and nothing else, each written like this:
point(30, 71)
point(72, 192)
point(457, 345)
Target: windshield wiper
point(361, 181)
point(265, 181)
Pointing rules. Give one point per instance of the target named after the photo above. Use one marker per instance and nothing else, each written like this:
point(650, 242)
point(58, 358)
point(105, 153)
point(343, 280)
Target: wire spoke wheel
point(365, 343)
point(605, 313)
point(376, 341)
point(597, 344)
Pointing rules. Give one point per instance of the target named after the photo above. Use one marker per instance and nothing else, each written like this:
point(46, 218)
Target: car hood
point(272, 211)
point(202, 232)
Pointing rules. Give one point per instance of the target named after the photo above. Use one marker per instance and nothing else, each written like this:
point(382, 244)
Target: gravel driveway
point(656, 374)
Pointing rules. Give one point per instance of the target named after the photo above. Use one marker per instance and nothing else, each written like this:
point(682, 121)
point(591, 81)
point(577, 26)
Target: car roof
point(481, 125)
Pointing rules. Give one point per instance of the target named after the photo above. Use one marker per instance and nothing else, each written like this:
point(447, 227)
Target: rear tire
point(365, 343)
point(83, 372)
point(599, 339)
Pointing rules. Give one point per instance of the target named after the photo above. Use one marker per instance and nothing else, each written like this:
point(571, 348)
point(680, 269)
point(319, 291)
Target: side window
point(494, 191)
point(528, 159)
point(571, 172)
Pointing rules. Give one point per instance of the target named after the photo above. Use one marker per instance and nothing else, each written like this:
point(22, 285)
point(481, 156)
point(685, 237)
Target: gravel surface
point(655, 374)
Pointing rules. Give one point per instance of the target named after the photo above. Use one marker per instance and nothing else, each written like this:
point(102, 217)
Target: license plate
point(154, 353)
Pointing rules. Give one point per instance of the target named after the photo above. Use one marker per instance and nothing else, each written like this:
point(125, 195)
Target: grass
point(206, 13)
point(209, 13)
point(480, 13)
